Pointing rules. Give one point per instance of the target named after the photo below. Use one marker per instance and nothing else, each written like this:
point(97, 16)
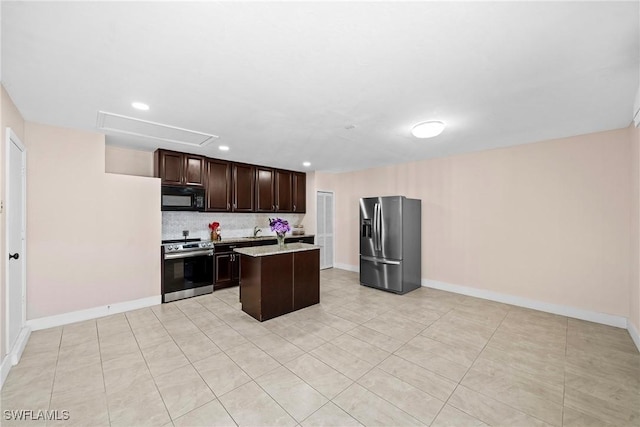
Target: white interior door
point(15, 235)
point(325, 228)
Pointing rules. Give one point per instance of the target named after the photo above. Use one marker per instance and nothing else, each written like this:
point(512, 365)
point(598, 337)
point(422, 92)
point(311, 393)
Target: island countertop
point(228, 240)
point(258, 251)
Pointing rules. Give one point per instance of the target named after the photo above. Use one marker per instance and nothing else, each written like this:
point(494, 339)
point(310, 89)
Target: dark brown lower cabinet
point(226, 270)
point(274, 285)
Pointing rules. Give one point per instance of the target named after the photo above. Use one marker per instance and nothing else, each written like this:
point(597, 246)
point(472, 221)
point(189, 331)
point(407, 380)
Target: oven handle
point(208, 252)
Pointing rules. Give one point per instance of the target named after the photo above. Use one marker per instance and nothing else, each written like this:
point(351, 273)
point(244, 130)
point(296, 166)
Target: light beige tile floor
point(361, 357)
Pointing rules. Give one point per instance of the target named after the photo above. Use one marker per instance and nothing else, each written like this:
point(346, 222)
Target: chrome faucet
point(256, 230)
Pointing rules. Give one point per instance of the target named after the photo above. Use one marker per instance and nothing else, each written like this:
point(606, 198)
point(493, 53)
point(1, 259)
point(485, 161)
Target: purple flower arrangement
point(280, 226)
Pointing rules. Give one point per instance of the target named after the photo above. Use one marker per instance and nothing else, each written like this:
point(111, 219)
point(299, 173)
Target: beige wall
point(9, 117)
point(634, 282)
point(128, 162)
point(93, 238)
point(547, 221)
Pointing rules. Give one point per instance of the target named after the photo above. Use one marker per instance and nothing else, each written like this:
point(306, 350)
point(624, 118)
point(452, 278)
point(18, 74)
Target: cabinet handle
point(228, 206)
point(294, 207)
point(235, 205)
point(273, 207)
point(277, 207)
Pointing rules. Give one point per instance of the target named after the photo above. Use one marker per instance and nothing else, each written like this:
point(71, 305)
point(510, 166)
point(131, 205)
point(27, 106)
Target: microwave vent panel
point(110, 122)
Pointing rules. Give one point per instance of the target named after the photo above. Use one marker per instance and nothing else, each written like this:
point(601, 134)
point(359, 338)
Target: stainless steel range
point(187, 268)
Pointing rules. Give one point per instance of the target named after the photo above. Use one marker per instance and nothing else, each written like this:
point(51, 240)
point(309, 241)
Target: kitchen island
point(277, 280)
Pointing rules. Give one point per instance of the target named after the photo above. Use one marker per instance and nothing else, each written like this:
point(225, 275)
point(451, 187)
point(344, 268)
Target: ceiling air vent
point(110, 122)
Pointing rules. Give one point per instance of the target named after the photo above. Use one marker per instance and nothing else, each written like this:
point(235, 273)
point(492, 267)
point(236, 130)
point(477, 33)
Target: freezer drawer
point(381, 273)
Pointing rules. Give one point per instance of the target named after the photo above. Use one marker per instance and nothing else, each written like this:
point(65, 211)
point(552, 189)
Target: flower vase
point(280, 237)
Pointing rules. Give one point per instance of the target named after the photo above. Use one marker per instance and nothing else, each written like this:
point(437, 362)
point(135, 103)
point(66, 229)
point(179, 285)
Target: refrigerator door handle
point(375, 227)
point(379, 227)
point(379, 260)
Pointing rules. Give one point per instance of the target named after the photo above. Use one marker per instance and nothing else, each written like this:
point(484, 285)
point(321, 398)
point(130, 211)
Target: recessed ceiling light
point(306, 164)
point(427, 129)
point(223, 148)
point(140, 106)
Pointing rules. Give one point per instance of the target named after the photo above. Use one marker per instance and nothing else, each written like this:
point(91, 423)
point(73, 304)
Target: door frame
point(13, 354)
point(333, 221)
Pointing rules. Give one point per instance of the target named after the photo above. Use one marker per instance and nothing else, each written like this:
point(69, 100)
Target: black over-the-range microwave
point(182, 198)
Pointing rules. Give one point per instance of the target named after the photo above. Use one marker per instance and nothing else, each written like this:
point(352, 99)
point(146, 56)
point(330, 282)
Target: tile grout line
point(104, 382)
point(484, 394)
point(216, 397)
point(147, 364)
point(55, 371)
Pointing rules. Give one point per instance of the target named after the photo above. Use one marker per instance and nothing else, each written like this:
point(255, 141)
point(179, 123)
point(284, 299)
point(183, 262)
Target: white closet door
point(325, 228)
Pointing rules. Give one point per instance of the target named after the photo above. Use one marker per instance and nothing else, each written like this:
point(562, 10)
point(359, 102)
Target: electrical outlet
point(1, 205)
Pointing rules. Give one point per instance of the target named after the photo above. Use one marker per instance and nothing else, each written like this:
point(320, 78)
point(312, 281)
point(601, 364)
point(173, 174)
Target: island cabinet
point(174, 168)
point(276, 281)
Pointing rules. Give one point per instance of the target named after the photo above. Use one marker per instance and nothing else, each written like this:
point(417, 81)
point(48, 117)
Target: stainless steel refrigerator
point(390, 243)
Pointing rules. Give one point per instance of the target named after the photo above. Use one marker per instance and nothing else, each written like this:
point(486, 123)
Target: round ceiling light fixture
point(223, 148)
point(428, 129)
point(306, 164)
point(140, 106)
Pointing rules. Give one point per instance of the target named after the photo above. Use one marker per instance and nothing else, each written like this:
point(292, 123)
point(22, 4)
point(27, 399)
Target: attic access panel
point(110, 122)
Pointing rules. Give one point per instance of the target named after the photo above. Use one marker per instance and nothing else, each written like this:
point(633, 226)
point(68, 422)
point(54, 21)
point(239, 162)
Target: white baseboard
point(577, 313)
point(5, 367)
point(13, 357)
point(354, 268)
point(634, 333)
point(92, 313)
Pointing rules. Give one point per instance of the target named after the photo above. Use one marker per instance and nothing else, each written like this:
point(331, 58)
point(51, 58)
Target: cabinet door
point(193, 170)
point(235, 268)
point(264, 190)
point(306, 278)
point(243, 188)
point(284, 191)
point(223, 270)
point(218, 174)
point(299, 192)
point(171, 167)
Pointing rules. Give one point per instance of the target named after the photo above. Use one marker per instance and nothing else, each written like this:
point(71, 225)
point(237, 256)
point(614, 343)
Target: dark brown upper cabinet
point(284, 191)
point(219, 185)
point(244, 179)
point(234, 187)
point(265, 200)
point(175, 168)
point(299, 192)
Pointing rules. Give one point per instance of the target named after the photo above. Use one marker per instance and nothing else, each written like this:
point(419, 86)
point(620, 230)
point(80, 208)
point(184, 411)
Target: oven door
point(187, 275)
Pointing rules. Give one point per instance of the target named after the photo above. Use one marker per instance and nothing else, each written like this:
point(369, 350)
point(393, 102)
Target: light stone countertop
point(258, 251)
point(256, 239)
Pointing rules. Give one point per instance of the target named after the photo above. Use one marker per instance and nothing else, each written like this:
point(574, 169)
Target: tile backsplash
point(231, 224)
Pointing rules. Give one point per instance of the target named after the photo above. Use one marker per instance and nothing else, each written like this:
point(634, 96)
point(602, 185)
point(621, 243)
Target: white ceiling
point(281, 83)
